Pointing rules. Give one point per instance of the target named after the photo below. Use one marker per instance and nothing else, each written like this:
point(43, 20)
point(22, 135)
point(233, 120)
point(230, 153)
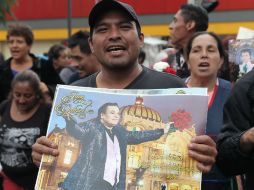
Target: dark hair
point(21, 30)
point(246, 51)
point(104, 107)
point(195, 35)
point(54, 52)
point(197, 14)
point(80, 39)
point(32, 78)
point(229, 70)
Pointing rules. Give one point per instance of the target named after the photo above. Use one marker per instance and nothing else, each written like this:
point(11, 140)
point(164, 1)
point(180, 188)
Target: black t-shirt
point(147, 79)
point(43, 68)
point(16, 140)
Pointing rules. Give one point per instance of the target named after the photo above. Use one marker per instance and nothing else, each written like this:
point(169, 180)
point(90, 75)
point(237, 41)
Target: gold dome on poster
point(163, 161)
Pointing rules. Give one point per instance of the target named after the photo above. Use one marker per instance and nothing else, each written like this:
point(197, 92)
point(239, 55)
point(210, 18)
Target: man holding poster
point(116, 40)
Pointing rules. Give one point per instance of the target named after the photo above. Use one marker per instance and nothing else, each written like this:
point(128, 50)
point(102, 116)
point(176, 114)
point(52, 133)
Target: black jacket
point(89, 167)
point(45, 70)
point(238, 118)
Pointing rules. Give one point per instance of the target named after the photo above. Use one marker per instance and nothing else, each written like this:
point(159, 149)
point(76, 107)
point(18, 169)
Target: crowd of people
point(111, 56)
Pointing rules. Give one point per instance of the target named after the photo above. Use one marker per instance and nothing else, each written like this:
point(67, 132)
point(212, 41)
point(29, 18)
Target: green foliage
point(5, 8)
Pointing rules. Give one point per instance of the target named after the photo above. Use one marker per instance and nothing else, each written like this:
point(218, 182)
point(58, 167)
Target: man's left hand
point(203, 149)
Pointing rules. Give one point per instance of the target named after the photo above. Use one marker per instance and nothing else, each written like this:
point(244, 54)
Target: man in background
point(81, 56)
point(188, 20)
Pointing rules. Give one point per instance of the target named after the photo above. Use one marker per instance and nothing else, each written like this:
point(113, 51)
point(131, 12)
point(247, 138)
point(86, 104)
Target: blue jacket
point(215, 179)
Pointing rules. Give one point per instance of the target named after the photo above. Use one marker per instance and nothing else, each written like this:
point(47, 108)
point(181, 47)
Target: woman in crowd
point(23, 118)
point(59, 57)
point(20, 39)
point(205, 56)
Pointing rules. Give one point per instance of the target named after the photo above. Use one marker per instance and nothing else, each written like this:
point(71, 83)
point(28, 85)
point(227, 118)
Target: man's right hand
point(43, 146)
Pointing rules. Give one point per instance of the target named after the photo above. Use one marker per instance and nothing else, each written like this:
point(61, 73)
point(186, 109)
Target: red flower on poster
point(182, 119)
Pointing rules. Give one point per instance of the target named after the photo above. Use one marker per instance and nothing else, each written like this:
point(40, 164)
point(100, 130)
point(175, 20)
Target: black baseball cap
point(105, 6)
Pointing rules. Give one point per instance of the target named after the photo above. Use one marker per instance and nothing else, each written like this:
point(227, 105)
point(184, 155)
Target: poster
point(245, 33)
point(131, 139)
point(241, 52)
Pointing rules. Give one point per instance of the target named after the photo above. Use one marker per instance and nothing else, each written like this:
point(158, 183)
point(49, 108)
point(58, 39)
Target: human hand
point(203, 149)
point(247, 141)
point(43, 146)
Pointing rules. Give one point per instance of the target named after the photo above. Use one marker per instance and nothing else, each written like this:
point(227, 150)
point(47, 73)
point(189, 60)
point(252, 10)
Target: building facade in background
point(49, 18)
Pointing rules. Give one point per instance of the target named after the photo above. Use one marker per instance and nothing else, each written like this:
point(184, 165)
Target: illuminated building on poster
point(55, 169)
point(149, 165)
point(163, 161)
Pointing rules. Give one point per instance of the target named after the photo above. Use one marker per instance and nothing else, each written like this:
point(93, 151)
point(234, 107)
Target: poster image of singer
point(241, 52)
point(123, 139)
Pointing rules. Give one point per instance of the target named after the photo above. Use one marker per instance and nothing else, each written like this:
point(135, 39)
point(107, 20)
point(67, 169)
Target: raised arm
point(79, 131)
point(137, 137)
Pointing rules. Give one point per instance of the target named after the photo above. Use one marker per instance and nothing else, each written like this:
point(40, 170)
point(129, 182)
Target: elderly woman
point(20, 40)
point(23, 118)
point(205, 55)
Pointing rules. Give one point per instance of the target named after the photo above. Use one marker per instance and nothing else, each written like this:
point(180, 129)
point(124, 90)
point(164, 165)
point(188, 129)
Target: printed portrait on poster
point(241, 52)
point(126, 139)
